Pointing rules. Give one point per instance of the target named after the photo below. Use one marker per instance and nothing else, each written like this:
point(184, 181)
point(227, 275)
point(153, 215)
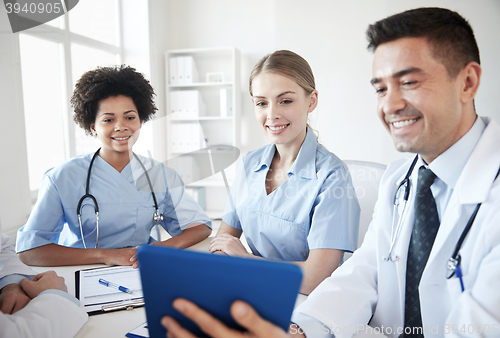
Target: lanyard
point(455, 259)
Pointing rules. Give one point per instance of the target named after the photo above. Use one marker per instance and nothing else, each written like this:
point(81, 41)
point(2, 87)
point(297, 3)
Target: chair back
point(365, 179)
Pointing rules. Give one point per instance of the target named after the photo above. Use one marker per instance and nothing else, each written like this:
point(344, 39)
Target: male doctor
point(34, 308)
point(426, 73)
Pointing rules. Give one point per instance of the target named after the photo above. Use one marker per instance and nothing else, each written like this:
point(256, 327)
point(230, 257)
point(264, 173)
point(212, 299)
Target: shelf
point(202, 118)
point(198, 111)
point(200, 84)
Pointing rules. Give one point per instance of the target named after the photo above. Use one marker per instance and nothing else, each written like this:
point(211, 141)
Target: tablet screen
point(214, 282)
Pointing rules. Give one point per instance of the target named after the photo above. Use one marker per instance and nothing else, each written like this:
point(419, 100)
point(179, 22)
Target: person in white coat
point(40, 307)
point(426, 73)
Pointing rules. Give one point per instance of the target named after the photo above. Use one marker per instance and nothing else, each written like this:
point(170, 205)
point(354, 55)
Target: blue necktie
point(422, 238)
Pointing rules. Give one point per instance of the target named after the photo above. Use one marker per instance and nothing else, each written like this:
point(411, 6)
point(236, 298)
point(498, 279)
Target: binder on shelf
point(190, 72)
point(193, 137)
point(226, 107)
point(172, 70)
point(174, 101)
point(173, 136)
point(197, 104)
point(185, 137)
point(183, 103)
point(187, 103)
point(180, 70)
point(191, 103)
point(188, 135)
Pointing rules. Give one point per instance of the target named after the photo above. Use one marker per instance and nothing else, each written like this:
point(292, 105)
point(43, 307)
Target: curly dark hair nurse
point(103, 82)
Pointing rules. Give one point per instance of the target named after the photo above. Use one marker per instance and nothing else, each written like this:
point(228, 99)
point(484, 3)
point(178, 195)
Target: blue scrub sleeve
point(236, 197)
point(335, 214)
point(46, 220)
point(180, 209)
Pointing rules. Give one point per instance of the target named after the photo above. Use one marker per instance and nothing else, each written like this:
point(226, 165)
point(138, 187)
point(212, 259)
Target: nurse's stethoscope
point(157, 216)
point(453, 266)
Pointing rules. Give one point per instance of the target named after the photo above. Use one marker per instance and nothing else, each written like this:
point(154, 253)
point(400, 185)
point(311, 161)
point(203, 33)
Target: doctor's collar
point(449, 165)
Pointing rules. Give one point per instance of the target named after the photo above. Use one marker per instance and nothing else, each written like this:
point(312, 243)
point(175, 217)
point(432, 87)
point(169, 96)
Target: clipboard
point(96, 298)
point(140, 331)
point(214, 282)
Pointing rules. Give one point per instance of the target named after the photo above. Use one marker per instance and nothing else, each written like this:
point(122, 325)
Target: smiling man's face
point(418, 102)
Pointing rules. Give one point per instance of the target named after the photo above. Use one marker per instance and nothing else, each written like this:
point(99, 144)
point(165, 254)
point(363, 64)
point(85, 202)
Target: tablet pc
point(214, 282)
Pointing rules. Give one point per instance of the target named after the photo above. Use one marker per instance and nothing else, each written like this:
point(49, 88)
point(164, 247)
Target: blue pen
point(113, 285)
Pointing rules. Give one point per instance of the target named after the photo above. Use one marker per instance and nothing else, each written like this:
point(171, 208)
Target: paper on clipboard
point(139, 332)
point(96, 298)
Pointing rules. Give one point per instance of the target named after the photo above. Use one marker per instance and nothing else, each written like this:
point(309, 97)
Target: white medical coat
point(9, 262)
point(48, 315)
point(367, 289)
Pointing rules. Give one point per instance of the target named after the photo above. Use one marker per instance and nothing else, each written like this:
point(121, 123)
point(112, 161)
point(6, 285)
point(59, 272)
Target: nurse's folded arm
point(228, 242)
point(58, 255)
point(194, 233)
point(319, 265)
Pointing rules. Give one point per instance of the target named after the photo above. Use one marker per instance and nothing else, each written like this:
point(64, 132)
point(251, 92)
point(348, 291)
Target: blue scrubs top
point(126, 205)
point(315, 208)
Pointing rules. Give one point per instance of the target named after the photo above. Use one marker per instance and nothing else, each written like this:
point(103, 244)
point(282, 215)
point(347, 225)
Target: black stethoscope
point(453, 266)
point(395, 234)
point(157, 216)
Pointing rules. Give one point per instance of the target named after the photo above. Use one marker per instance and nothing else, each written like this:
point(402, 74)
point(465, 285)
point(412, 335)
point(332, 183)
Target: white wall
point(15, 201)
point(159, 43)
point(330, 34)
point(15, 197)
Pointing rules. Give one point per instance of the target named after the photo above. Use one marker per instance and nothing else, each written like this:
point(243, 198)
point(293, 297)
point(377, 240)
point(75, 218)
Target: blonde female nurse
point(293, 199)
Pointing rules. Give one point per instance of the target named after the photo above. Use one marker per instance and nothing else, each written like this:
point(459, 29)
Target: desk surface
point(119, 323)
point(113, 324)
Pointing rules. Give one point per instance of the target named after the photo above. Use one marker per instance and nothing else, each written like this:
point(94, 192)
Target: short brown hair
point(448, 33)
